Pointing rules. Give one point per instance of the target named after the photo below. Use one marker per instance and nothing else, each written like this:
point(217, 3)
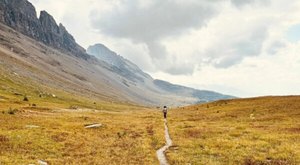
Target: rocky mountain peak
point(120, 65)
point(23, 7)
point(62, 28)
point(48, 22)
point(21, 16)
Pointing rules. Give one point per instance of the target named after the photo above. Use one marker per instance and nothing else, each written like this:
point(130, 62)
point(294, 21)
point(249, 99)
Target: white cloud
point(149, 23)
point(255, 76)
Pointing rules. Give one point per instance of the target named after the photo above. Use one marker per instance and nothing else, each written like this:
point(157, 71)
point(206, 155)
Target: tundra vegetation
point(262, 130)
point(53, 129)
point(51, 126)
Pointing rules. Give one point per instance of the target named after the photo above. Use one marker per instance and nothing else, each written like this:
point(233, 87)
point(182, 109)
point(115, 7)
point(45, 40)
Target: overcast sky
point(239, 47)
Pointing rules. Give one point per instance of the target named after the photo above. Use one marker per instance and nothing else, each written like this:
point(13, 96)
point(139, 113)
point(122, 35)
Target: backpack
point(165, 109)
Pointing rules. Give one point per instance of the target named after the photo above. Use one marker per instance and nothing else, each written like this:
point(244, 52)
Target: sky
point(244, 48)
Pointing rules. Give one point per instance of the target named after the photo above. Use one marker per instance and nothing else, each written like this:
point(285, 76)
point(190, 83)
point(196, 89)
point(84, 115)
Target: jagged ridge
point(21, 16)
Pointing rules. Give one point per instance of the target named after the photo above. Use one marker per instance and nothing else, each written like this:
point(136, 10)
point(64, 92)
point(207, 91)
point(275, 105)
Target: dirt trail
point(161, 152)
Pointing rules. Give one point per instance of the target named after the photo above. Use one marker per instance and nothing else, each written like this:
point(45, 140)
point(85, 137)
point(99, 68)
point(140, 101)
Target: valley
point(62, 104)
point(242, 131)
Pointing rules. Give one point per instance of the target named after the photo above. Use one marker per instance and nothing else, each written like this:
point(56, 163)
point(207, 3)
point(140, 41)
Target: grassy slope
point(244, 131)
point(130, 134)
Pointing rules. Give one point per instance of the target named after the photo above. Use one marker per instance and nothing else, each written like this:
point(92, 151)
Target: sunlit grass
point(125, 138)
point(247, 131)
point(46, 128)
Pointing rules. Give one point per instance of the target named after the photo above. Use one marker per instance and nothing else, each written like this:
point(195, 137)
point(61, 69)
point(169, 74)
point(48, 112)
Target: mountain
point(47, 57)
point(21, 16)
point(120, 65)
point(201, 95)
point(133, 73)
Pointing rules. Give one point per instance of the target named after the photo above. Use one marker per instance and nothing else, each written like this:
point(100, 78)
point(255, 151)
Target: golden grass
point(243, 131)
point(130, 134)
point(126, 137)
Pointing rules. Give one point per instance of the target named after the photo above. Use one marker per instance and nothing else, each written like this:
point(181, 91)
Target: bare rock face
point(58, 37)
point(21, 16)
point(50, 28)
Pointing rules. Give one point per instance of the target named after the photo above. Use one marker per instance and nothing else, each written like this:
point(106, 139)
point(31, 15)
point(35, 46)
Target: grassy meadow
point(50, 126)
point(262, 131)
point(125, 137)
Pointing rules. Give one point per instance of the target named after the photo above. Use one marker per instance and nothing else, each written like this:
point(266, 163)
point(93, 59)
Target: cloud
point(233, 52)
point(224, 42)
point(257, 76)
point(180, 70)
point(242, 3)
point(152, 22)
point(275, 47)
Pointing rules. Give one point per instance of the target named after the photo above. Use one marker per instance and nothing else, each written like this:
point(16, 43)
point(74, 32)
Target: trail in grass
point(161, 152)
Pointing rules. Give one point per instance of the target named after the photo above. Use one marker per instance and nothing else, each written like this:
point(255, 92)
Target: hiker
point(165, 110)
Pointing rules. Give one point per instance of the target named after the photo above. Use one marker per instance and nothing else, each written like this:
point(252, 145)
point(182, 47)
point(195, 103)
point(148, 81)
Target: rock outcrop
point(21, 16)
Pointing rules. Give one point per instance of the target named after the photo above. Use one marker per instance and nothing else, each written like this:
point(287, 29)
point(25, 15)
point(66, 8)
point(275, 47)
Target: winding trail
point(161, 152)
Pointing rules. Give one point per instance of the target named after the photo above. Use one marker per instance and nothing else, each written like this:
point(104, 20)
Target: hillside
point(57, 135)
point(262, 130)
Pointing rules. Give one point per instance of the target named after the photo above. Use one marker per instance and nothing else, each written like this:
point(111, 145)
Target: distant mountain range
point(134, 74)
point(121, 66)
point(44, 52)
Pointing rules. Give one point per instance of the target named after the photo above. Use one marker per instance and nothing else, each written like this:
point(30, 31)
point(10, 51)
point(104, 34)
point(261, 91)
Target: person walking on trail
point(165, 111)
